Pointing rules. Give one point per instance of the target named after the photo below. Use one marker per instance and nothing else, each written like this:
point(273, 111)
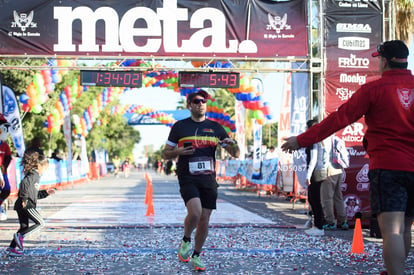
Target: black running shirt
point(204, 137)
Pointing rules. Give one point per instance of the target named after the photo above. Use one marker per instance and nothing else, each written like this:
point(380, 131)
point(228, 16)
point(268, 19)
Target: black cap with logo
point(394, 50)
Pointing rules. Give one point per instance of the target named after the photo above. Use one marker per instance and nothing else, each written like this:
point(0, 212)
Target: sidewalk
point(100, 227)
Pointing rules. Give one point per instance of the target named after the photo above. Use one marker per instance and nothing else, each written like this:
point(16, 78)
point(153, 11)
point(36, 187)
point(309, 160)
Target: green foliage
point(269, 134)
point(109, 132)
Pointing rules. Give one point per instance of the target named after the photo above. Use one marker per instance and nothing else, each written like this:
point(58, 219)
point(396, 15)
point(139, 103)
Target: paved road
point(100, 227)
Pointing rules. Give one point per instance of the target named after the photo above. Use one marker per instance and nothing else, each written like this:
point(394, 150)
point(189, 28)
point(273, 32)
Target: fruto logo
point(161, 30)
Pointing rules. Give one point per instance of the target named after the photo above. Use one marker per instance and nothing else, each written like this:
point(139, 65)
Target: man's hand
point(228, 141)
point(291, 144)
point(185, 151)
point(24, 204)
point(2, 184)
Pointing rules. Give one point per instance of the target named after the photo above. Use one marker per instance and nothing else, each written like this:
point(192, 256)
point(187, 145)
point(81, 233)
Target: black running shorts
point(193, 187)
point(391, 191)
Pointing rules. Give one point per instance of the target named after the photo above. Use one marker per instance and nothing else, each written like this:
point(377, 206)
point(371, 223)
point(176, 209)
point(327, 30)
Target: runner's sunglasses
point(198, 101)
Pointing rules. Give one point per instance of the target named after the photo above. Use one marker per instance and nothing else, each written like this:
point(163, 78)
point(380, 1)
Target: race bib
point(201, 166)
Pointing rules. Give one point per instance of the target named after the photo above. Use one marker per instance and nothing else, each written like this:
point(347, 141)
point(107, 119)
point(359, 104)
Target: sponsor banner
point(232, 167)
point(353, 31)
point(84, 162)
point(299, 116)
point(257, 150)
point(352, 6)
point(284, 116)
point(284, 25)
point(225, 28)
point(67, 131)
point(245, 168)
point(240, 130)
point(350, 41)
point(355, 184)
point(12, 115)
point(141, 119)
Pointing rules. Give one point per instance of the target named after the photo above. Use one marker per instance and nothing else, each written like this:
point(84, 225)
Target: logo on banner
point(353, 78)
point(23, 21)
point(278, 24)
point(344, 93)
point(120, 34)
point(353, 132)
point(353, 62)
point(350, 27)
point(406, 97)
point(362, 178)
point(354, 3)
point(352, 205)
point(353, 43)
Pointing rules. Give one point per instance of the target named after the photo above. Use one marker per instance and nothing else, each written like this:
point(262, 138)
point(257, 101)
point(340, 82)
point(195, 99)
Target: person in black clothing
point(55, 155)
point(194, 141)
point(316, 174)
point(34, 165)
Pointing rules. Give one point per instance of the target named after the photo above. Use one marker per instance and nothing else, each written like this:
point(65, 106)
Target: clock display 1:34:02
point(118, 78)
point(111, 78)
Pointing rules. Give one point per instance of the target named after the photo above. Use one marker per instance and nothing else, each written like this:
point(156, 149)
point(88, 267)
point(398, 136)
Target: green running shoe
point(198, 264)
point(184, 251)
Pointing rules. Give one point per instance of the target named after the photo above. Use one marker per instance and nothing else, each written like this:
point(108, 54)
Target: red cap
point(200, 92)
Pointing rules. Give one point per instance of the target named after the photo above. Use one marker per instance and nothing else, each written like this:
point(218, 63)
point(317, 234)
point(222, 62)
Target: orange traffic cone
point(358, 241)
point(148, 196)
point(150, 205)
point(146, 189)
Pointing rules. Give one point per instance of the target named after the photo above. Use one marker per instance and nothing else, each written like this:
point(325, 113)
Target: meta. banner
point(209, 28)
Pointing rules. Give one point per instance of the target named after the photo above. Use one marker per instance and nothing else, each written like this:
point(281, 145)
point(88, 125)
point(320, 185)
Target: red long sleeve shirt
point(388, 106)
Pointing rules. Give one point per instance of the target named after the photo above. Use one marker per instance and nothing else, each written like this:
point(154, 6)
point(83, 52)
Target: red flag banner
point(353, 30)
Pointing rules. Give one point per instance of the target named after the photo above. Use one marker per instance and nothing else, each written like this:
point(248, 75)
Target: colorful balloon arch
point(44, 82)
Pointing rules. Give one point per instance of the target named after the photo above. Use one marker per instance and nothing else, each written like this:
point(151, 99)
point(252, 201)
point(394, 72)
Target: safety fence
point(58, 175)
point(274, 179)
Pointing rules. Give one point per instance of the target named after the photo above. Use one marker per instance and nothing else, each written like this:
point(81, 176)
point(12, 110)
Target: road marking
point(123, 210)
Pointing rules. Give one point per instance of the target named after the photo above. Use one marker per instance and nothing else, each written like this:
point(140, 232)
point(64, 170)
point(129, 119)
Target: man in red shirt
point(388, 107)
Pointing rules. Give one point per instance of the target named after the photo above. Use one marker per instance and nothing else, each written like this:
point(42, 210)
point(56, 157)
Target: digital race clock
point(209, 79)
point(111, 78)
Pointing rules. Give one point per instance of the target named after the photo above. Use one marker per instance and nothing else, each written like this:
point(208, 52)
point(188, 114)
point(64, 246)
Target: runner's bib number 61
point(201, 166)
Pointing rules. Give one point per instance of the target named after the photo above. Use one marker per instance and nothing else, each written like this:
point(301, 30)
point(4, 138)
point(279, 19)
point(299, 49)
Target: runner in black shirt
point(194, 140)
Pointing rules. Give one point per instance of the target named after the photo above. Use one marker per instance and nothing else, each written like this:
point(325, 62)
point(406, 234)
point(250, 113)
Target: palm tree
point(404, 19)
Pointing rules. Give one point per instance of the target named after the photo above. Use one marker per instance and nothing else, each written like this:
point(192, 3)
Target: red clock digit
point(115, 76)
point(185, 78)
point(107, 78)
point(204, 81)
point(135, 79)
point(97, 77)
point(233, 79)
point(225, 79)
point(127, 78)
point(213, 79)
